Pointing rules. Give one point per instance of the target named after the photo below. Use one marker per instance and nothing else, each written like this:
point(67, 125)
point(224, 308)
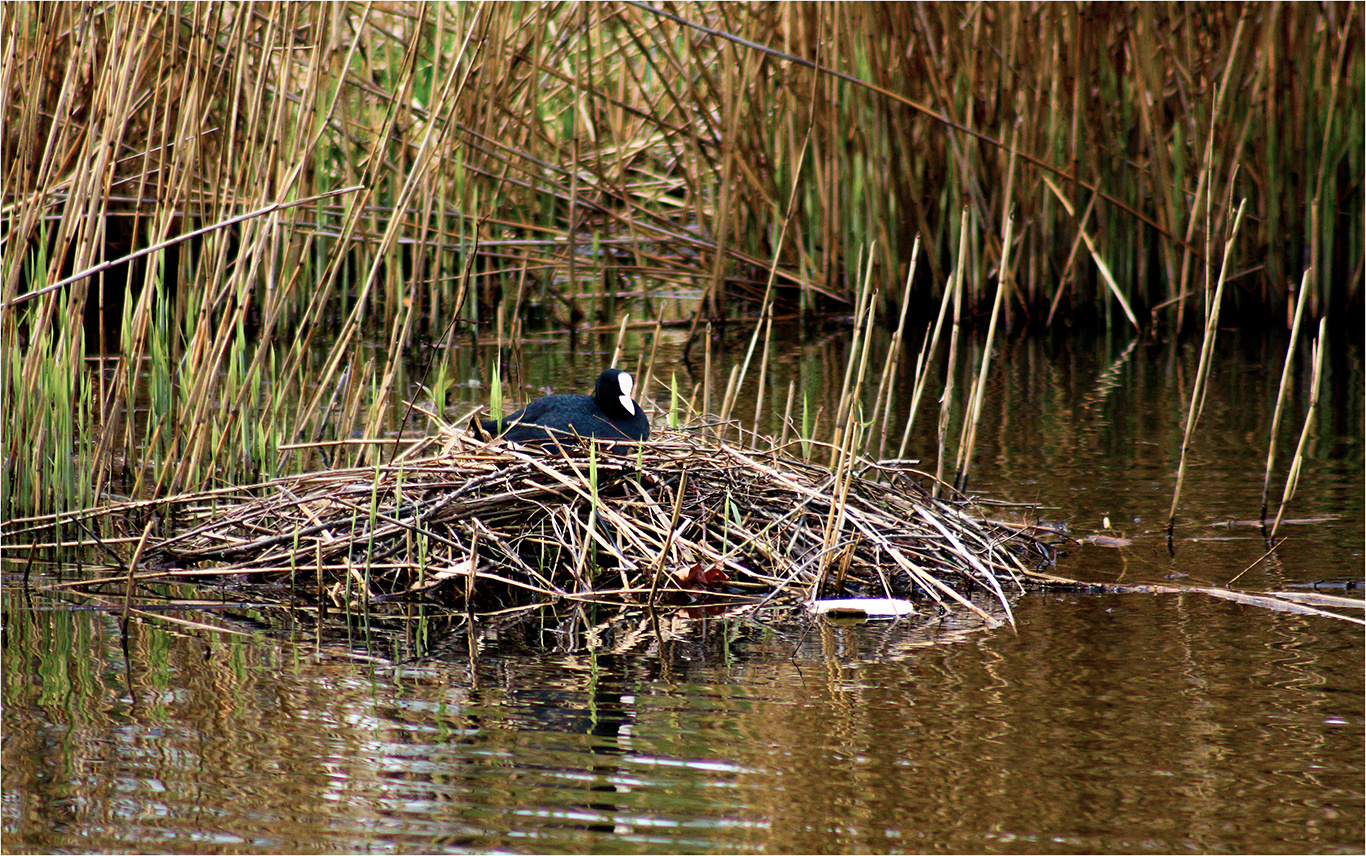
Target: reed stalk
point(1283, 391)
point(706, 373)
point(1292, 478)
point(923, 361)
point(886, 384)
point(850, 388)
point(950, 369)
point(1198, 389)
point(968, 440)
point(847, 441)
point(787, 414)
point(762, 386)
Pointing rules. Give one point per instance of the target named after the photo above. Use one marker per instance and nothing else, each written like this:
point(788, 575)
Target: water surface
point(1096, 723)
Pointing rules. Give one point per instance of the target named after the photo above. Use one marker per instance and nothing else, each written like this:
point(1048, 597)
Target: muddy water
point(1099, 723)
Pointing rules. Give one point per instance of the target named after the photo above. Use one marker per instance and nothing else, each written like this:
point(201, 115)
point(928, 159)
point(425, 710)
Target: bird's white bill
point(626, 383)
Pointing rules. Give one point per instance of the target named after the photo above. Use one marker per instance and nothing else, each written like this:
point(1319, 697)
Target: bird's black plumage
point(609, 414)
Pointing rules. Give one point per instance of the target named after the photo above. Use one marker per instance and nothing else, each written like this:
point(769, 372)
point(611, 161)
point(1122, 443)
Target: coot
point(608, 413)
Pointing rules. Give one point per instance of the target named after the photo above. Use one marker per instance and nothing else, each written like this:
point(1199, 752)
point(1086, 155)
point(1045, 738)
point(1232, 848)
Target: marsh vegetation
point(247, 243)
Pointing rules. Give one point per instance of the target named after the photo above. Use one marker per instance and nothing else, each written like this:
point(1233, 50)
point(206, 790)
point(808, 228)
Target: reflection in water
point(1096, 723)
point(1100, 723)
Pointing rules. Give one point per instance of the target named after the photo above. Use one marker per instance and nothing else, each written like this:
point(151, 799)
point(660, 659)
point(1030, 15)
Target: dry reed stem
point(968, 440)
point(1292, 478)
point(950, 373)
point(1282, 392)
point(882, 400)
point(1198, 389)
point(1101, 266)
point(922, 365)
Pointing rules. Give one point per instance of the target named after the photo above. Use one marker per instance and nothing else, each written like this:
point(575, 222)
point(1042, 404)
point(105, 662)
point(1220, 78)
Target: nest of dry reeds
point(677, 520)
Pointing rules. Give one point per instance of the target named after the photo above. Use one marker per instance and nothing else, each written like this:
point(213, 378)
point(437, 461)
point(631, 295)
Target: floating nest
point(677, 521)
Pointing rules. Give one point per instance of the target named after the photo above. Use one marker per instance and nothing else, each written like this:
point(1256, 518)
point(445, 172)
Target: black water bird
point(608, 414)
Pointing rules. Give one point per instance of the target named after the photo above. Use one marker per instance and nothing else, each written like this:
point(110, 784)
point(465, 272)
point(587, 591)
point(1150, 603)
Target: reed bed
point(233, 233)
point(678, 521)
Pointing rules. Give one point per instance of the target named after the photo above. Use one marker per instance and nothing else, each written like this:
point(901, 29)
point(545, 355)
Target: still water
point(1098, 723)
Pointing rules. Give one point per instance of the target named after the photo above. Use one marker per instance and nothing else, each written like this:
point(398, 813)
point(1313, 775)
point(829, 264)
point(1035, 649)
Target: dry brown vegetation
point(676, 522)
point(255, 212)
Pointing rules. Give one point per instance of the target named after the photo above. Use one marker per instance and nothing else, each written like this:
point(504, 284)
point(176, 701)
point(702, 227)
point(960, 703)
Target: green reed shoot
point(496, 399)
point(673, 401)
